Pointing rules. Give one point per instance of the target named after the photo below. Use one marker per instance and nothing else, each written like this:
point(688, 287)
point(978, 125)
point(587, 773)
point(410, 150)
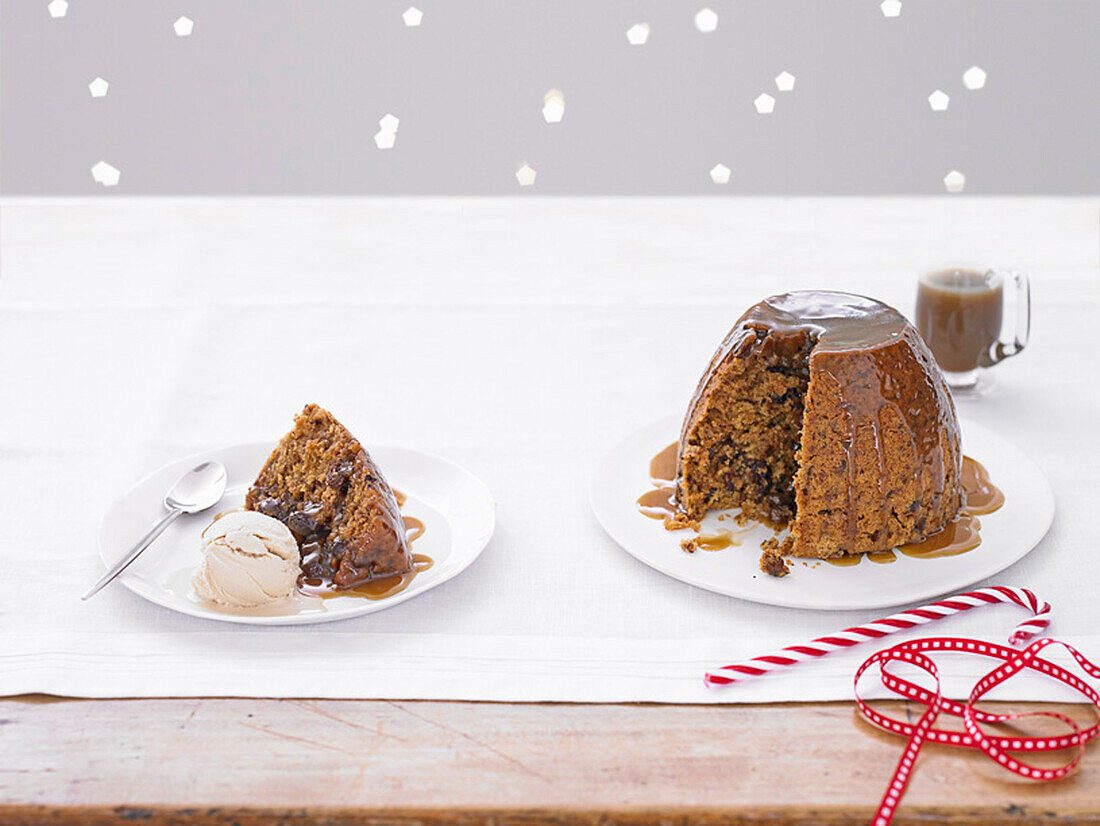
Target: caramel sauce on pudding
point(379, 588)
point(962, 534)
point(982, 496)
point(658, 503)
point(882, 557)
point(879, 557)
point(812, 398)
point(715, 541)
point(414, 528)
point(662, 467)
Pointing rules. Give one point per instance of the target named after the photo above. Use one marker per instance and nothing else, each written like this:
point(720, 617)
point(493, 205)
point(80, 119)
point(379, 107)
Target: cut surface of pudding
point(826, 413)
point(321, 483)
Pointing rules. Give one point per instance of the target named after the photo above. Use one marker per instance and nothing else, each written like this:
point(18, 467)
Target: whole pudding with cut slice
point(321, 483)
point(824, 412)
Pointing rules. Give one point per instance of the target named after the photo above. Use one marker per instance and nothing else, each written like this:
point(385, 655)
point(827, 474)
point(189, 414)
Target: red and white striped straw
point(822, 646)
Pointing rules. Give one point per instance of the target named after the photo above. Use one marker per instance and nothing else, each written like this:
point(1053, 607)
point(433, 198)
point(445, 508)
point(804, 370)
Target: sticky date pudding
point(321, 483)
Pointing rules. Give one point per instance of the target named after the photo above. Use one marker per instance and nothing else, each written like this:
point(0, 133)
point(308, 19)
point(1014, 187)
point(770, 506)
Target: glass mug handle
point(1000, 350)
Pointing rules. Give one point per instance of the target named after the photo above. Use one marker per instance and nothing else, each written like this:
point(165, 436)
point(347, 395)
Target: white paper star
point(638, 34)
point(938, 100)
point(526, 175)
point(105, 174)
point(765, 104)
point(553, 106)
point(58, 8)
point(412, 16)
point(954, 181)
point(784, 81)
point(706, 20)
point(184, 26)
point(890, 8)
point(98, 88)
point(720, 174)
point(974, 78)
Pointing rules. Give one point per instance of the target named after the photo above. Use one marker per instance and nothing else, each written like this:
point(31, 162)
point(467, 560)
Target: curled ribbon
point(915, 652)
point(997, 748)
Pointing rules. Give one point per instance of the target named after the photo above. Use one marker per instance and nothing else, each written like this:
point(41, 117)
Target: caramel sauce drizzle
point(963, 534)
point(982, 496)
point(380, 588)
point(384, 586)
point(715, 542)
point(661, 502)
point(882, 557)
point(414, 528)
point(658, 503)
point(662, 467)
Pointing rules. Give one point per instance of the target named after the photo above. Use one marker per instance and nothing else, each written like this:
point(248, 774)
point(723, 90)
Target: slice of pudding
point(322, 484)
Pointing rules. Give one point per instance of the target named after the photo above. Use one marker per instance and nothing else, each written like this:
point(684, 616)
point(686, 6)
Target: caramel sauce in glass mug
point(960, 315)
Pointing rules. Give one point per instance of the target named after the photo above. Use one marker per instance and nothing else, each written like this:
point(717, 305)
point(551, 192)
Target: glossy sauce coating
point(662, 467)
point(658, 503)
point(376, 588)
point(869, 364)
point(961, 535)
point(715, 541)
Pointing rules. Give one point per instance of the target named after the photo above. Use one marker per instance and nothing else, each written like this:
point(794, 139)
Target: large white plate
point(1007, 534)
point(455, 506)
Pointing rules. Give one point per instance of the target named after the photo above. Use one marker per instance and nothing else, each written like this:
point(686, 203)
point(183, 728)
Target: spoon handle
point(134, 552)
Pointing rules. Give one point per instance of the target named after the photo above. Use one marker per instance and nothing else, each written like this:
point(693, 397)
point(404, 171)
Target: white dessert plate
point(455, 506)
point(1007, 534)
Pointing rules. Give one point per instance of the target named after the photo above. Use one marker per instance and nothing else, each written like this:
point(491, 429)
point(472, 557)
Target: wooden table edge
point(175, 761)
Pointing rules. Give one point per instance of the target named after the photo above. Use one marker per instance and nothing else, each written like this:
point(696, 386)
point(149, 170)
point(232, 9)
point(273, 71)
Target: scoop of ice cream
point(249, 559)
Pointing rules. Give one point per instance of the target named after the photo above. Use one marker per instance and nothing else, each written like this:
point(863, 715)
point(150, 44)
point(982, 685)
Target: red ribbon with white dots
point(997, 748)
point(917, 653)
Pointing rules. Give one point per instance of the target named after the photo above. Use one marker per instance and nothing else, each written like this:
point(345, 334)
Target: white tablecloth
point(517, 337)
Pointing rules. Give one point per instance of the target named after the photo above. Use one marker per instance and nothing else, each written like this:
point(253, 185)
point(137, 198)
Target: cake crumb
point(772, 561)
point(690, 546)
point(773, 544)
point(773, 564)
point(680, 520)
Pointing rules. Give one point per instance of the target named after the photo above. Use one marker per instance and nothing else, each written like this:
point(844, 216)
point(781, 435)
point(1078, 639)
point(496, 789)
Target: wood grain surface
point(335, 762)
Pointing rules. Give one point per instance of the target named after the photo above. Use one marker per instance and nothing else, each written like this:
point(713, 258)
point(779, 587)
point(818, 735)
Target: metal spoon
point(198, 489)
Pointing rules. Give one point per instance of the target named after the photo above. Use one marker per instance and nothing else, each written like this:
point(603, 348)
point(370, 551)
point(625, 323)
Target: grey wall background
point(270, 96)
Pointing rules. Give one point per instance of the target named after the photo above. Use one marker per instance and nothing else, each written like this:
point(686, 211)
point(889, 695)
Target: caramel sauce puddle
point(963, 534)
point(382, 587)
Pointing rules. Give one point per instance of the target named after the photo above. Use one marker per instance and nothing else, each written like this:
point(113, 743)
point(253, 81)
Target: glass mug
point(960, 314)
